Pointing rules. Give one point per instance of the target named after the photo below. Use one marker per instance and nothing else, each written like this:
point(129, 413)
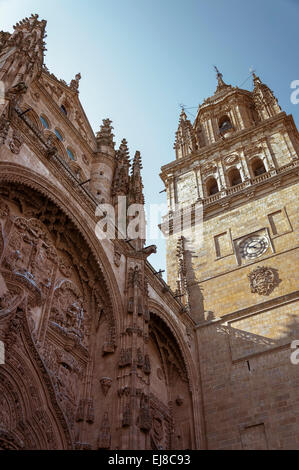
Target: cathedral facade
point(99, 351)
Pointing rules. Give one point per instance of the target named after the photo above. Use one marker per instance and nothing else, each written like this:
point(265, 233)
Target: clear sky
point(140, 59)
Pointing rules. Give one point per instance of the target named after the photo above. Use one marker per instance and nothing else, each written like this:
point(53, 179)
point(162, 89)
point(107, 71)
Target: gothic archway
point(56, 292)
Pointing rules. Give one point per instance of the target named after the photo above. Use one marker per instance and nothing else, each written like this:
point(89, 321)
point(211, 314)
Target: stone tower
point(236, 270)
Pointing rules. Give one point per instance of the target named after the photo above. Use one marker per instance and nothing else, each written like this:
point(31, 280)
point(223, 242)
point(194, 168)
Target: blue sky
point(140, 59)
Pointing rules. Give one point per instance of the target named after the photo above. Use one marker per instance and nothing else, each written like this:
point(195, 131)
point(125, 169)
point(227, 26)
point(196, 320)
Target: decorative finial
point(221, 83)
point(219, 74)
point(252, 71)
point(74, 85)
point(105, 136)
point(183, 114)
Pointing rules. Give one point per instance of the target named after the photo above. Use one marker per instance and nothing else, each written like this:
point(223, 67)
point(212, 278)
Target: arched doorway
point(56, 295)
point(170, 398)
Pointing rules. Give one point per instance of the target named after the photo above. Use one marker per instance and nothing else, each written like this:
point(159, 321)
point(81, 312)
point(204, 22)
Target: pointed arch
point(17, 174)
point(174, 327)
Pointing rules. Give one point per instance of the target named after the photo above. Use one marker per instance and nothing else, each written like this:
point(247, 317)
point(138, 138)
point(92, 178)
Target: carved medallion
point(231, 159)
point(209, 169)
point(263, 280)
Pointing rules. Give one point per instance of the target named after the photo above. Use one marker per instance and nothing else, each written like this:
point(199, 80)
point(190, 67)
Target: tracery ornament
point(263, 280)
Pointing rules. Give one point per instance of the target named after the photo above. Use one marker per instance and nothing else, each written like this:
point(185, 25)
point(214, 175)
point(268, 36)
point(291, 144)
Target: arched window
point(258, 167)
point(44, 122)
point(63, 109)
point(59, 135)
point(71, 154)
point(224, 124)
point(234, 177)
point(212, 187)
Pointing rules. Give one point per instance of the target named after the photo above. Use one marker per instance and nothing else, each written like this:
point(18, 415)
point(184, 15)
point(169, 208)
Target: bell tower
point(237, 269)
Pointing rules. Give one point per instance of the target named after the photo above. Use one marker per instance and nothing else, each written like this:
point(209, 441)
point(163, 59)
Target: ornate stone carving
point(157, 433)
point(135, 277)
point(231, 159)
point(149, 250)
point(68, 310)
point(124, 391)
point(127, 416)
point(125, 357)
point(140, 358)
point(85, 160)
point(209, 169)
point(145, 419)
point(80, 411)
point(117, 258)
point(147, 365)
point(131, 305)
point(10, 300)
point(4, 209)
point(74, 85)
point(4, 128)
point(104, 441)
point(263, 280)
point(16, 142)
point(179, 400)
point(90, 411)
point(106, 383)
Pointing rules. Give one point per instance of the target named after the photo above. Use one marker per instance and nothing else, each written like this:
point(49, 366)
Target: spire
point(185, 141)
point(29, 34)
point(265, 101)
point(123, 153)
point(105, 136)
point(29, 47)
point(121, 179)
point(221, 84)
point(219, 77)
point(136, 186)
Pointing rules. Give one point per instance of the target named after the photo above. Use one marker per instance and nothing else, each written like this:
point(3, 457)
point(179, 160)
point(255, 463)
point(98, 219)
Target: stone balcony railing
point(249, 183)
point(235, 190)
